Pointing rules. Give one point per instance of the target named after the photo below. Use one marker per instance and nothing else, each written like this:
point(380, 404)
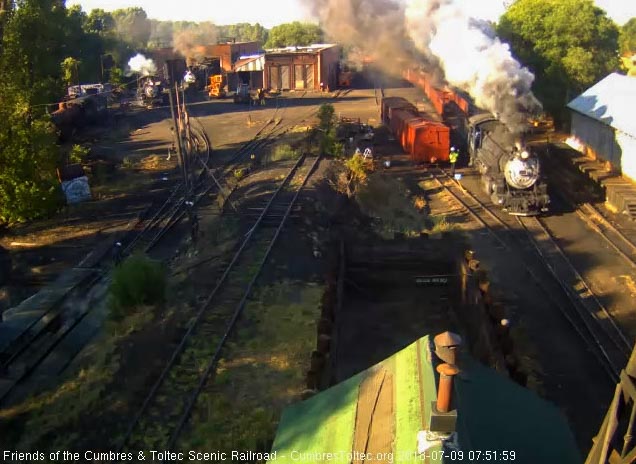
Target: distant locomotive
point(510, 172)
point(150, 91)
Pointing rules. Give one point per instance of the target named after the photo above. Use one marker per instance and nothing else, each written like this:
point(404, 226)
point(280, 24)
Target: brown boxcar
point(427, 141)
point(399, 124)
point(390, 104)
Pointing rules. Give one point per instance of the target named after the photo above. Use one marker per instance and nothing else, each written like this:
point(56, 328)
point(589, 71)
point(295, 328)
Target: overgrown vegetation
point(78, 154)
point(137, 281)
point(67, 406)
point(283, 152)
point(261, 373)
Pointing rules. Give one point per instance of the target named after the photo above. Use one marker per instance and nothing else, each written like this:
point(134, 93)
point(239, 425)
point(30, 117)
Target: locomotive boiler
point(510, 172)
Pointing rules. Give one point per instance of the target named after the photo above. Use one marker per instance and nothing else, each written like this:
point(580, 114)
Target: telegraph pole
point(177, 134)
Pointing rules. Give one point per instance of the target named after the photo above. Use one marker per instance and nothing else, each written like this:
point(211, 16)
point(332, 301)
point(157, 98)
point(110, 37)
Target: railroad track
point(533, 244)
point(623, 245)
point(42, 333)
point(33, 337)
point(167, 407)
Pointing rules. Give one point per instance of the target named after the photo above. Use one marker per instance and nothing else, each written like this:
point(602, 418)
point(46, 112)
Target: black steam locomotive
point(152, 90)
point(510, 172)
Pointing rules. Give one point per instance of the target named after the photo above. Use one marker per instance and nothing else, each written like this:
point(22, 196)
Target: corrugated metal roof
point(252, 63)
point(610, 101)
point(313, 48)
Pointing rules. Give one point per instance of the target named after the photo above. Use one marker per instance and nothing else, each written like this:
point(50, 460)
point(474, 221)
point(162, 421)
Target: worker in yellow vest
point(452, 157)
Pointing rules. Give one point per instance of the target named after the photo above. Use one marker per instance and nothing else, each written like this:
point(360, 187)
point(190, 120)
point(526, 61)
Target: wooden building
point(302, 68)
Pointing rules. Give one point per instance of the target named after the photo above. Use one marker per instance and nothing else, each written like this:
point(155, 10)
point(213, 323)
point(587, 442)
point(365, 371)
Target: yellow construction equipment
point(216, 89)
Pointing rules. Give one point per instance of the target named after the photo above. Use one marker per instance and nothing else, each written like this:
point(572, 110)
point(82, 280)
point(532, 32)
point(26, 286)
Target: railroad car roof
point(610, 101)
point(494, 413)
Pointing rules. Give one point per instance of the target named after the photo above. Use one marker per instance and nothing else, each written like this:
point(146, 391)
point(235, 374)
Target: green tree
point(100, 22)
point(295, 33)
point(132, 26)
point(567, 44)
point(245, 32)
point(326, 127)
point(628, 37)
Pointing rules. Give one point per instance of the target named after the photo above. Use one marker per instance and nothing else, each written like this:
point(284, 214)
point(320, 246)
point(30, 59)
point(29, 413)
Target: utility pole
point(177, 134)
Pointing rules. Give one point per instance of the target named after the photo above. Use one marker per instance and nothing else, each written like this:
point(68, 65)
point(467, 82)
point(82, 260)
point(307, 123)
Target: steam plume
point(440, 38)
point(140, 64)
point(192, 41)
point(473, 59)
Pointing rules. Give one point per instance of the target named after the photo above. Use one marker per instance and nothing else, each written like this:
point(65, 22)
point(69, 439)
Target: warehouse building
point(603, 125)
point(302, 68)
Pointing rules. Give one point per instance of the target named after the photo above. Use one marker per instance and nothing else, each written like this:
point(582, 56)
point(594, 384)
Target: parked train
point(79, 112)
point(426, 141)
point(510, 172)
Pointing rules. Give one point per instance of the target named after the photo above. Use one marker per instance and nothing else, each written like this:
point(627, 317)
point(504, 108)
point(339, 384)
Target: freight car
point(510, 172)
point(426, 141)
point(76, 113)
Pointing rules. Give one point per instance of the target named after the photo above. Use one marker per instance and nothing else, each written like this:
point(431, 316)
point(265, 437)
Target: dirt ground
point(378, 319)
point(128, 170)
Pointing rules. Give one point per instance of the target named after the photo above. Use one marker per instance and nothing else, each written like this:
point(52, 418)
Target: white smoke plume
point(473, 59)
point(438, 36)
point(142, 65)
point(191, 42)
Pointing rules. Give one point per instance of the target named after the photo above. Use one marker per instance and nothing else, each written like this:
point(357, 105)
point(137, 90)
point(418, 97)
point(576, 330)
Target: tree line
point(44, 46)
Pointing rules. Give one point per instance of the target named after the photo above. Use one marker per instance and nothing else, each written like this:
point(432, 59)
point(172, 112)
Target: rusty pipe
point(446, 374)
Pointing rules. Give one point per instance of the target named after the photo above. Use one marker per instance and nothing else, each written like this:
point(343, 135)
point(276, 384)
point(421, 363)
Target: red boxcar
point(399, 124)
point(424, 140)
point(427, 141)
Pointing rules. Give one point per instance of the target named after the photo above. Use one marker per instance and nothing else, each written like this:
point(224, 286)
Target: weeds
point(137, 281)
point(78, 154)
point(283, 152)
point(128, 163)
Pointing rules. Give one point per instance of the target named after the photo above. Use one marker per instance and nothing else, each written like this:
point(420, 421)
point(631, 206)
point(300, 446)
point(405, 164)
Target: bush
point(77, 154)
point(137, 281)
point(283, 152)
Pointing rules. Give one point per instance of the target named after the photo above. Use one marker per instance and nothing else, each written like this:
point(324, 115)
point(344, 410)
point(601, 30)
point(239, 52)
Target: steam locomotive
point(150, 91)
point(510, 172)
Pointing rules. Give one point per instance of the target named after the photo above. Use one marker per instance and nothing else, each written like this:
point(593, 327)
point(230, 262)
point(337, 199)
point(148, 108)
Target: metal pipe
point(444, 392)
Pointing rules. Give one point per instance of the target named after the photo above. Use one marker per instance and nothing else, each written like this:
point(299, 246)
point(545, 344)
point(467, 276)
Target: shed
point(603, 123)
point(302, 68)
point(383, 409)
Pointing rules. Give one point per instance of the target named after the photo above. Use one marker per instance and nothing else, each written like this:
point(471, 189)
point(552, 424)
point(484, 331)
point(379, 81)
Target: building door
point(309, 76)
point(274, 77)
point(299, 76)
point(285, 78)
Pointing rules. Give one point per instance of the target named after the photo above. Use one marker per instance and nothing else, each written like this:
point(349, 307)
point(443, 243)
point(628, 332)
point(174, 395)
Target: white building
point(604, 122)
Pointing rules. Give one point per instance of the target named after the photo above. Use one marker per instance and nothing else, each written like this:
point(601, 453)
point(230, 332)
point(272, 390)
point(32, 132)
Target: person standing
point(452, 157)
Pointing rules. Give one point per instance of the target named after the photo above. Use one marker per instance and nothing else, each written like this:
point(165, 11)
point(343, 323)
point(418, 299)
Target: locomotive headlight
point(525, 155)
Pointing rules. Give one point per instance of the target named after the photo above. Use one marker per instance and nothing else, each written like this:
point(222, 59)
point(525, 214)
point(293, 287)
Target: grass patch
point(137, 281)
point(389, 201)
point(262, 371)
point(80, 396)
point(283, 152)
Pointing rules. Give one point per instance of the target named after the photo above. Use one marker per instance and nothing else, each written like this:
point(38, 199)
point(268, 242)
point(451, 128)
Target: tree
point(628, 37)
point(245, 32)
point(132, 26)
point(295, 33)
point(568, 44)
point(100, 22)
